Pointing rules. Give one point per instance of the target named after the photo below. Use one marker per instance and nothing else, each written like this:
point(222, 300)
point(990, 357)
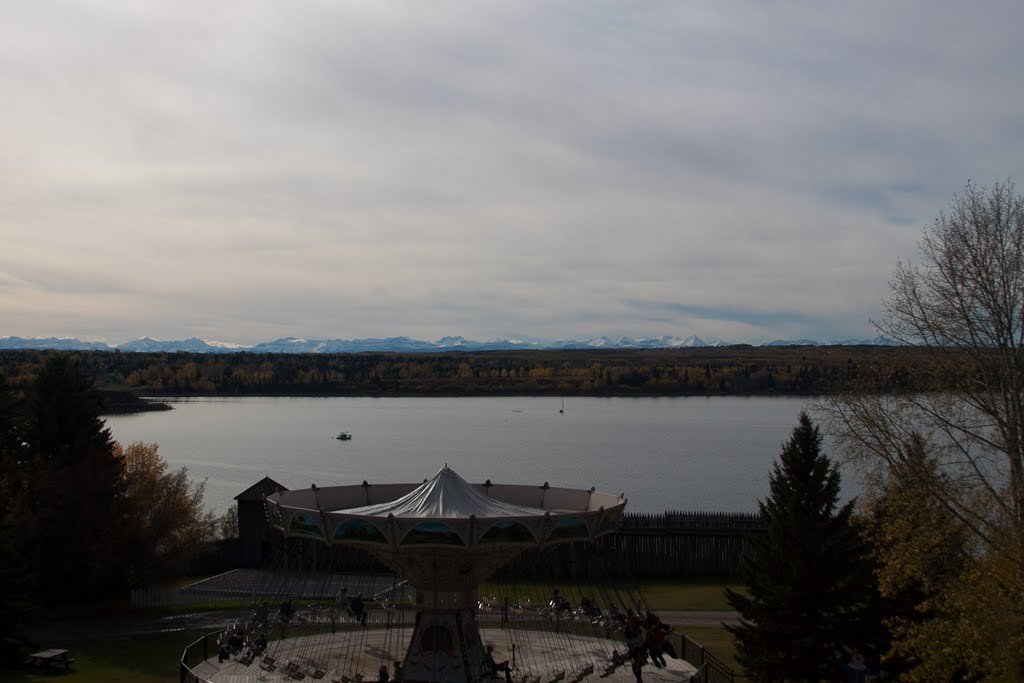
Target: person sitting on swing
point(491, 667)
point(357, 609)
point(259, 646)
point(556, 603)
point(262, 614)
point(286, 611)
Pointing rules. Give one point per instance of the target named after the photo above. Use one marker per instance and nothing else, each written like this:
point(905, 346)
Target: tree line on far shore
point(734, 370)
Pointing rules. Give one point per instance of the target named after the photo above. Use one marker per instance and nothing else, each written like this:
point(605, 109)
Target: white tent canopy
point(446, 495)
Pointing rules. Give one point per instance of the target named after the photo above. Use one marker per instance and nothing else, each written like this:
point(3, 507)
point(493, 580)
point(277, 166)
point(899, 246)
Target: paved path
point(683, 619)
point(129, 625)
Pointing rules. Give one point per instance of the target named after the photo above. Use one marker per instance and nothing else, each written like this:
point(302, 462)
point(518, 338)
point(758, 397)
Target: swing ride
point(442, 539)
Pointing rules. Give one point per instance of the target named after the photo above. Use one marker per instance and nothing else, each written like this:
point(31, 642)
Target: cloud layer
point(241, 171)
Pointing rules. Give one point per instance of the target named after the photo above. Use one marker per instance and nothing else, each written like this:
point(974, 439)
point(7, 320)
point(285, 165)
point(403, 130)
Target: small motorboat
point(343, 436)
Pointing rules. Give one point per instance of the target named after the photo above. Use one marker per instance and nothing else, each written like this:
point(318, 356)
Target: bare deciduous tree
point(963, 302)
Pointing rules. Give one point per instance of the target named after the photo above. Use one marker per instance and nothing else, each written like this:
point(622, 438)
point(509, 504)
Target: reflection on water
point(663, 453)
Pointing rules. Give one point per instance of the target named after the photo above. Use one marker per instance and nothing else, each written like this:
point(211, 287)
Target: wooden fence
point(669, 544)
point(648, 545)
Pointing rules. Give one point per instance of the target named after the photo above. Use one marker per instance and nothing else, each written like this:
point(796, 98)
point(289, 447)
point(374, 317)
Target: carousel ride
point(441, 539)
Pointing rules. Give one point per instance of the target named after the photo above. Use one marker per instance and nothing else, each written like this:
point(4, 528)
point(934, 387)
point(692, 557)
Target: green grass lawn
point(138, 659)
point(155, 658)
point(663, 594)
point(697, 595)
point(718, 642)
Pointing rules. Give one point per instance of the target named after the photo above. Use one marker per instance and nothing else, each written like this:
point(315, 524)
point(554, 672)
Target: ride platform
point(347, 658)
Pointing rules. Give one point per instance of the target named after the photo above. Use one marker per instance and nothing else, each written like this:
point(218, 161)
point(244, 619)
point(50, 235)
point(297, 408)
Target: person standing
point(637, 658)
point(653, 641)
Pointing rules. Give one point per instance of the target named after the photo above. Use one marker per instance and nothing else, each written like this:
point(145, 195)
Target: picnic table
point(51, 658)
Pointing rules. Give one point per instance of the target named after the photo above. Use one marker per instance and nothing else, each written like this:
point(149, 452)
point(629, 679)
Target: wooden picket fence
point(651, 545)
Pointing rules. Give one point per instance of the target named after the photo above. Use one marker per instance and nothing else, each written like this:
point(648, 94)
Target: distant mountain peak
point(792, 342)
point(401, 344)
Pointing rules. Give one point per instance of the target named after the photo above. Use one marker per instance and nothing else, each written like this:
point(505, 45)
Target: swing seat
point(583, 673)
point(318, 673)
point(557, 676)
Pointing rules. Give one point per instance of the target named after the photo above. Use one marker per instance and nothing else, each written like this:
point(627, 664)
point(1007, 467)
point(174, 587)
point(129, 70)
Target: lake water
point(663, 453)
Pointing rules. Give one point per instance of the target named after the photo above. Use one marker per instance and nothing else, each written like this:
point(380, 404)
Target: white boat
point(343, 436)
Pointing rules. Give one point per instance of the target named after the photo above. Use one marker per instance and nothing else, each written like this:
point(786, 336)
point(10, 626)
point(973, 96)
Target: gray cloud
point(245, 171)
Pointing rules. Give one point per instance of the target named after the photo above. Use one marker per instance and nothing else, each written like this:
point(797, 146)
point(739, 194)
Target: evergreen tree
point(9, 439)
point(64, 425)
point(807, 585)
point(17, 580)
point(75, 531)
point(16, 576)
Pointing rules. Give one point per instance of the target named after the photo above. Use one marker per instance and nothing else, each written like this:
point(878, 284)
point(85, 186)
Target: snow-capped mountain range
point(400, 344)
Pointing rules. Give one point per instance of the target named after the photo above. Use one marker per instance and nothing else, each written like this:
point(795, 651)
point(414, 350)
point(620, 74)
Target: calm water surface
point(663, 453)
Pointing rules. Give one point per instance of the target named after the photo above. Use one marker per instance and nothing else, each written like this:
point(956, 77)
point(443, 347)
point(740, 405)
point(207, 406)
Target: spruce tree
point(10, 439)
point(17, 580)
point(79, 515)
point(64, 423)
point(807, 585)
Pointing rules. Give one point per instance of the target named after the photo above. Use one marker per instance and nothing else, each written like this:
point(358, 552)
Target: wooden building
point(256, 536)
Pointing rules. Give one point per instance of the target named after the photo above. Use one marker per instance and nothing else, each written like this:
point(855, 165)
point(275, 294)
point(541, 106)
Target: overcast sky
point(242, 171)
